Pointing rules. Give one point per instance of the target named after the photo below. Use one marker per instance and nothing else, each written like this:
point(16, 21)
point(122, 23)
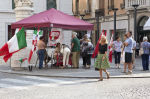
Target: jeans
point(41, 58)
point(137, 52)
point(87, 60)
point(145, 61)
point(117, 57)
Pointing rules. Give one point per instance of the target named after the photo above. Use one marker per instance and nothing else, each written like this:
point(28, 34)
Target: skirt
point(100, 63)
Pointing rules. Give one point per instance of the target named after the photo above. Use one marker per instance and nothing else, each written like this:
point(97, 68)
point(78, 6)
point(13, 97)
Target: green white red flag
point(15, 44)
point(36, 35)
point(110, 47)
point(22, 59)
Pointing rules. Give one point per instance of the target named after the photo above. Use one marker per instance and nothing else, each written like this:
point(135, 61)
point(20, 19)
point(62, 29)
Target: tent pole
point(49, 29)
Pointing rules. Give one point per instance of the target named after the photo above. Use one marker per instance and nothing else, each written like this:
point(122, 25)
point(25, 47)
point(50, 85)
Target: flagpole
point(49, 30)
point(10, 63)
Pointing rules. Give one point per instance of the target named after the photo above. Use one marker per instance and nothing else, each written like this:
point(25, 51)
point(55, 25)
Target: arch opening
point(140, 31)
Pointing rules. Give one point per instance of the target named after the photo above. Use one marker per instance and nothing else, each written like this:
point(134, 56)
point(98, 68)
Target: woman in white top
point(66, 53)
point(117, 51)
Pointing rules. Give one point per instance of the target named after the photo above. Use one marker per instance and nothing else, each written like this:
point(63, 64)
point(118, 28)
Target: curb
point(113, 77)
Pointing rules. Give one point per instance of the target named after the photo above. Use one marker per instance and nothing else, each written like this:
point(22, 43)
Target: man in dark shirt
point(75, 45)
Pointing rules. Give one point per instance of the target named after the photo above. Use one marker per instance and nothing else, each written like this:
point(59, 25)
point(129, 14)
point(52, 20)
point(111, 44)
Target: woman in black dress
point(102, 60)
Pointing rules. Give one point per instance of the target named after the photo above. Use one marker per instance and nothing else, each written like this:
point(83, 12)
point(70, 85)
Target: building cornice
point(7, 11)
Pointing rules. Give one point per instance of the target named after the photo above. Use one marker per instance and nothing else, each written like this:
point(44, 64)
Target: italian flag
point(110, 48)
point(22, 60)
point(36, 35)
point(15, 44)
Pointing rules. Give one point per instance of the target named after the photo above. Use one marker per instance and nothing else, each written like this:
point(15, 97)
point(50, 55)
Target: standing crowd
point(127, 50)
point(63, 54)
point(124, 52)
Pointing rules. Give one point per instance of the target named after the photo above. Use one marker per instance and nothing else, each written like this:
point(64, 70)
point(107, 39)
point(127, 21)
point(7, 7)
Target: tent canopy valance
point(53, 18)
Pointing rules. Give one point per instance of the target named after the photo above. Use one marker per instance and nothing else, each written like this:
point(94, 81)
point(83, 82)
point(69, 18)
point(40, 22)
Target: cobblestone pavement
point(32, 87)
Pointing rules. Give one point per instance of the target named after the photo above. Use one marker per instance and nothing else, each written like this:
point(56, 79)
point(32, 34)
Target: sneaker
point(83, 66)
point(40, 67)
point(116, 65)
point(88, 67)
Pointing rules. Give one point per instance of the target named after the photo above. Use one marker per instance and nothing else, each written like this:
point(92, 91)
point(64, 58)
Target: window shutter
point(13, 4)
point(51, 4)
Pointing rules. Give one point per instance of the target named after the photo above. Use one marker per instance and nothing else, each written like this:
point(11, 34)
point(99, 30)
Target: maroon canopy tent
point(53, 18)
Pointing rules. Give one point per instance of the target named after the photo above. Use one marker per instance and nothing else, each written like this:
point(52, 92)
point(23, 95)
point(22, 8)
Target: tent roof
point(53, 18)
point(147, 25)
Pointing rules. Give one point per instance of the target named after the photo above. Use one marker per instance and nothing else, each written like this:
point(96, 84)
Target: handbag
point(141, 51)
point(84, 54)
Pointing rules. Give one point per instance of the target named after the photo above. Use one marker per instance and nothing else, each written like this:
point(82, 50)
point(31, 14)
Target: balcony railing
point(142, 4)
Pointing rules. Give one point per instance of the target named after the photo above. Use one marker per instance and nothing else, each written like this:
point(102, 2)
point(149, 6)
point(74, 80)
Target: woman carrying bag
point(87, 47)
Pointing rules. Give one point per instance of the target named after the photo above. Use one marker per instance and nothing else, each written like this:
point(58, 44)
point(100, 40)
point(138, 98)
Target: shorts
point(128, 57)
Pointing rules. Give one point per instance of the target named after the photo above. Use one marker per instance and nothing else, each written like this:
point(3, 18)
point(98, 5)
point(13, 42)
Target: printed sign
point(55, 36)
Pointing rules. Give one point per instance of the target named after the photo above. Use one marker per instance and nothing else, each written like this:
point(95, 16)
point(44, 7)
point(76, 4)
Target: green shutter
point(13, 4)
point(51, 4)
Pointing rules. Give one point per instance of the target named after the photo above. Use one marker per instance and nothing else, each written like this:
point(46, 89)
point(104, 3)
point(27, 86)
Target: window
point(9, 32)
point(81, 6)
point(13, 4)
point(51, 4)
point(124, 2)
point(110, 4)
point(89, 2)
point(101, 4)
point(122, 5)
point(75, 7)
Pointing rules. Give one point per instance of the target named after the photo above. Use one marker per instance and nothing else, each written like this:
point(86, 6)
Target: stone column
point(23, 9)
point(95, 4)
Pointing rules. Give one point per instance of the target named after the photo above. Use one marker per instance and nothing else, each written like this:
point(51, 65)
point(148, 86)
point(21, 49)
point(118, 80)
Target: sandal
point(63, 67)
point(108, 75)
point(101, 79)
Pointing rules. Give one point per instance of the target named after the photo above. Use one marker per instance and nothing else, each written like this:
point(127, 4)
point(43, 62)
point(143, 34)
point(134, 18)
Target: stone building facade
point(89, 7)
point(125, 16)
point(8, 15)
point(107, 22)
point(143, 14)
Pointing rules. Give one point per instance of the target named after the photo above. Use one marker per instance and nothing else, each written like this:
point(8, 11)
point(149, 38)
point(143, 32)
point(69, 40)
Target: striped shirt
point(117, 46)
